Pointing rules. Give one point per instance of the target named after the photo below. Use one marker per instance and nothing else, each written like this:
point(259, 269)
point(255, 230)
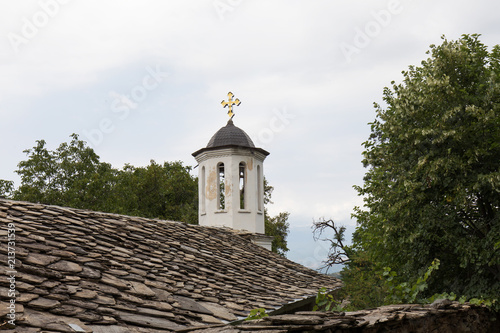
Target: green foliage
point(165, 191)
point(407, 292)
point(363, 281)
point(451, 296)
point(490, 303)
point(326, 302)
point(276, 226)
point(486, 302)
point(364, 284)
point(433, 180)
point(73, 176)
point(369, 287)
point(257, 314)
point(6, 188)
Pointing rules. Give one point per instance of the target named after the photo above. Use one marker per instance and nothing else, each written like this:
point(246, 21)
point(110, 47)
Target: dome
point(230, 135)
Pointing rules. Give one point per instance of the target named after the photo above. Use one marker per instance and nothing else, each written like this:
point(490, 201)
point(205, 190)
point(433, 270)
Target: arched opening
point(202, 190)
point(259, 189)
point(242, 182)
point(221, 187)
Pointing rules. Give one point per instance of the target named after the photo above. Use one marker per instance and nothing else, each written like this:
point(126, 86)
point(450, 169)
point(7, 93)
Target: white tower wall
point(232, 215)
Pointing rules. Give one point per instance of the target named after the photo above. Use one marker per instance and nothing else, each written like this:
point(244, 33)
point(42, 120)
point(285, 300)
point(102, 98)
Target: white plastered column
point(251, 217)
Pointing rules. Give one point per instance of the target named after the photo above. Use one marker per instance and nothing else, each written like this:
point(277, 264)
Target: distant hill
point(335, 275)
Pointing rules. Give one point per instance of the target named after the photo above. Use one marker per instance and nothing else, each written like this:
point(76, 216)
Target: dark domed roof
point(230, 135)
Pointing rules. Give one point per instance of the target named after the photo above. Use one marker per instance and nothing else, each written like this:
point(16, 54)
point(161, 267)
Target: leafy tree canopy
point(73, 176)
point(432, 189)
point(276, 226)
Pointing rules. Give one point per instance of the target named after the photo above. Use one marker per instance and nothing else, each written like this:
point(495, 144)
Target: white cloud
point(123, 99)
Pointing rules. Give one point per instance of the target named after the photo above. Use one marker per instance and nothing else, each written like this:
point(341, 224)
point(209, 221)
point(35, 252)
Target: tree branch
point(338, 252)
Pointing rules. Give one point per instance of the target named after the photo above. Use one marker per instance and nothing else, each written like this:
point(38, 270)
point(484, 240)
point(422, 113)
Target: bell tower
point(231, 179)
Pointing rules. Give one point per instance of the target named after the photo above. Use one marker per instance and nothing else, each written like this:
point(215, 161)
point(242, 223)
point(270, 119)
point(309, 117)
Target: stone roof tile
point(104, 272)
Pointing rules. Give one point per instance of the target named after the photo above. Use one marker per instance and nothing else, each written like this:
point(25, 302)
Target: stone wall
point(443, 317)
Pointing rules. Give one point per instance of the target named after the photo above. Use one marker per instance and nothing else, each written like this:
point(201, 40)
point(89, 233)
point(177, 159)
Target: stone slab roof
point(85, 271)
point(442, 316)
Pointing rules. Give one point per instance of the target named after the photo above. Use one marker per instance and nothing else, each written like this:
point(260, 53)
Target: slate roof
point(114, 273)
point(442, 316)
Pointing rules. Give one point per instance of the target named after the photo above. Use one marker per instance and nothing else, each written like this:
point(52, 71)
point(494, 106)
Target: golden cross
point(230, 104)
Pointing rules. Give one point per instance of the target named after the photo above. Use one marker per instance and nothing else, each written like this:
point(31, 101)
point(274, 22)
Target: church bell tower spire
point(231, 179)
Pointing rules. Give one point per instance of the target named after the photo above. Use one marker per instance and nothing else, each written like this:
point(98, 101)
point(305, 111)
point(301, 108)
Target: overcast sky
point(142, 80)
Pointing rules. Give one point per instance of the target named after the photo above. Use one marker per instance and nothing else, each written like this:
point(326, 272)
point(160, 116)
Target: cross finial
point(230, 104)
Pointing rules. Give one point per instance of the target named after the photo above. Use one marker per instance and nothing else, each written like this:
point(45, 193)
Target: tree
point(73, 176)
point(432, 188)
point(276, 226)
point(363, 283)
point(339, 253)
point(165, 191)
point(6, 188)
